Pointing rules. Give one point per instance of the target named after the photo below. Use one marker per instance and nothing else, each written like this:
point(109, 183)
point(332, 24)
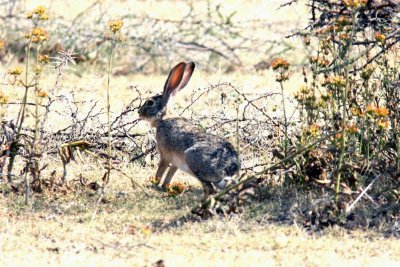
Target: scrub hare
point(181, 145)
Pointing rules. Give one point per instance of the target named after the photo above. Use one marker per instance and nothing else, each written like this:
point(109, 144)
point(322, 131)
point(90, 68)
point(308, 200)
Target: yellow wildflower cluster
point(382, 112)
point(37, 35)
point(155, 180)
point(40, 12)
point(44, 59)
point(147, 230)
point(376, 111)
point(281, 66)
point(282, 77)
point(337, 80)
point(303, 93)
point(314, 130)
point(3, 98)
point(382, 124)
point(280, 63)
point(16, 71)
point(115, 25)
point(175, 189)
point(41, 93)
point(352, 128)
point(380, 37)
point(338, 136)
point(355, 3)
point(306, 98)
point(370, 109)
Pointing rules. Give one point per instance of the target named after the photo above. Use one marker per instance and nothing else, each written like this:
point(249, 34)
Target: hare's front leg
point(172, 170)
point(162, 166)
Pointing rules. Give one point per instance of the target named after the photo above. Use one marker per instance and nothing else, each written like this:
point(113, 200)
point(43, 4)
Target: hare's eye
point(150, 103)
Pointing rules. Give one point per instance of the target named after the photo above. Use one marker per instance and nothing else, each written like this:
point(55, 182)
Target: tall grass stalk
point(285, 126)
point(344, 103)
point(112, 46)
point(107, 175)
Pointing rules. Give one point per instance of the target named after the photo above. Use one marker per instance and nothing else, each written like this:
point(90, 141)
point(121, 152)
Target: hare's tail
point(231, 171)
point(225, 182)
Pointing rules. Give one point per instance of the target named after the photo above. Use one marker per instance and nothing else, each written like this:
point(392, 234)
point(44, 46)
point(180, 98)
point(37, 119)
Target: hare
point(181, 145)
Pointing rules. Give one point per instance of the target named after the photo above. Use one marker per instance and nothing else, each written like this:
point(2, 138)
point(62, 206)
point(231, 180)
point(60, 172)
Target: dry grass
point(132, 229)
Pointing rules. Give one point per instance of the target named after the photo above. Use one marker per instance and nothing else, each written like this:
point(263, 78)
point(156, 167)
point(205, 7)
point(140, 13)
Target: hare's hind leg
point(172, 170)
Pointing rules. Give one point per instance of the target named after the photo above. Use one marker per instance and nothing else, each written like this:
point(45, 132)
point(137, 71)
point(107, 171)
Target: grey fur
point(209, 158)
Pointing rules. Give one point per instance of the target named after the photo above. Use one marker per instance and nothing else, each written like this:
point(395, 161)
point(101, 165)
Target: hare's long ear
point(186, 76)
point(178, 78)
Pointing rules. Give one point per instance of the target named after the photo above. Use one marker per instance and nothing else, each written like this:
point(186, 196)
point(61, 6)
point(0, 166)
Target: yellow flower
point(302, 93)
point(16, 71)
point(38, 32)
point(338, 136)
point(379, 37)
point(41, 93)
point(44, 17)
point(282, 77)
point(38, 35)
point(280, 63)
point(338, 81)
point(37, 70)
point(44, 59)
point(382, 124)
point(175, 189)
point(352, 129)
point(357, 112)
point(147, 231)
point(382, 112)
point(371, 109)
point(40, 11)
point(115, 25)
point(344, 36)
point(355, 3)
point(2, 44)
point(3, 98)
point(155, 180)
point(314, 130)
point(29, 15)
